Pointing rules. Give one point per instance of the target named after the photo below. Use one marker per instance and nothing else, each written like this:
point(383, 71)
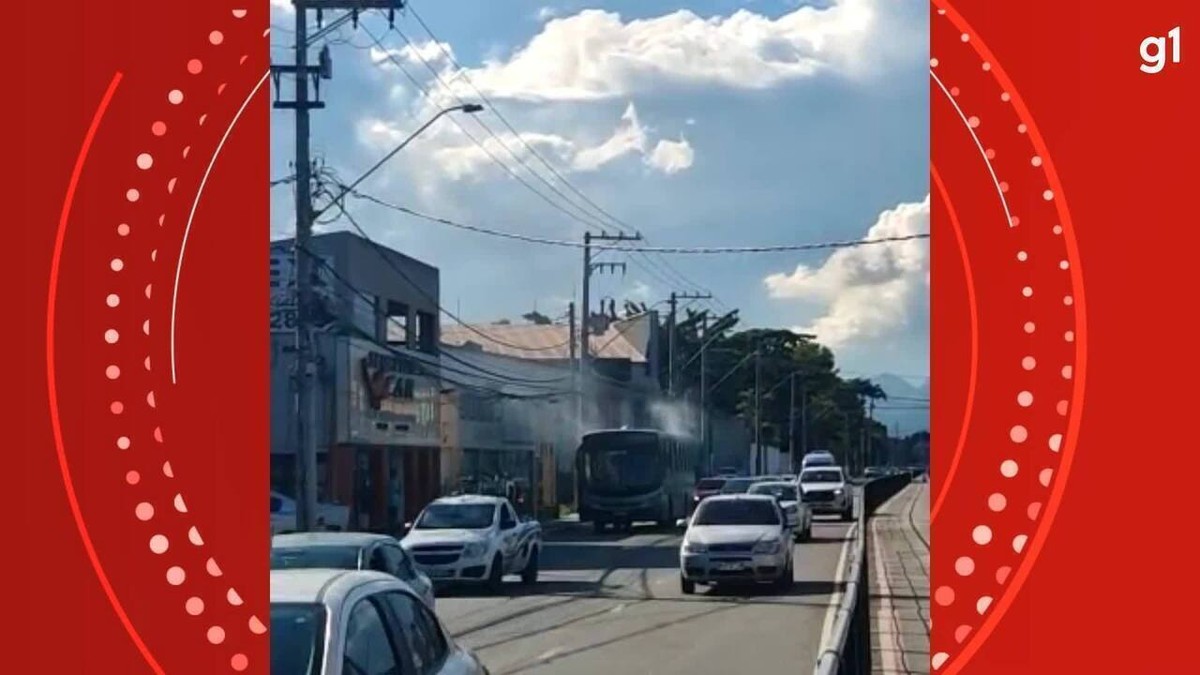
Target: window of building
point(427, 332)
point(397, 323)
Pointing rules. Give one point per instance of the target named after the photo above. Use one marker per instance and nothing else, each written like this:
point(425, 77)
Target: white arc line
point(199, 192)
point(978, 144)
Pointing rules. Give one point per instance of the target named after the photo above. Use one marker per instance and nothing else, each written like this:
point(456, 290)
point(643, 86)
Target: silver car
point(350, 551)
point(734, 538)
point(342, 622)
point(798, 514)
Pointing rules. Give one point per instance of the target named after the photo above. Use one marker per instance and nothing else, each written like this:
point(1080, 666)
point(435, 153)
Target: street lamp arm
point(469, 108)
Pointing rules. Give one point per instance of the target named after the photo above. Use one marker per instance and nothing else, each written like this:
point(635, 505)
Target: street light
point(469, 108)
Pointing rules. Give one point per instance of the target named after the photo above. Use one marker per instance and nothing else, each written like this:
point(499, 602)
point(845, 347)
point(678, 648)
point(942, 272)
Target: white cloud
point(691, 121)
point(596, 55)
point(433, 53)
point(672, 156)
point(629, 137)
point(284, 6)
point(456, 157)
point(868, 292)
point(546, 13)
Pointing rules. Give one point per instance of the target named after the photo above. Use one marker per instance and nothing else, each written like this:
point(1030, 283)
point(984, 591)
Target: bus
point(628, 475)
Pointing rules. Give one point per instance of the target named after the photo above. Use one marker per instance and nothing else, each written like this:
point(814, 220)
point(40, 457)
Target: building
point(378, 396)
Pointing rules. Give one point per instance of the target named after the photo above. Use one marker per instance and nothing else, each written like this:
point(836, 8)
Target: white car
point(474, 539)
point(734, 538)
point(350, 551)
point(818, 458)
point(330, 517)
point(339, 622)
point(799, 515)
point(825, 490)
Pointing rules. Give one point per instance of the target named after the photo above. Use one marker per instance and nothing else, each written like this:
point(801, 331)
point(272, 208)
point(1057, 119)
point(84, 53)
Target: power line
point(677, 250)
point(617, 223)
point(434, 301)
point(488, 375)
point(582, 216)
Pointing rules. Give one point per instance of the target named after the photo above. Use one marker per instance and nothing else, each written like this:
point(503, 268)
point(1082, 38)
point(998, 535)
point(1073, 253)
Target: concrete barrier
point(849, 650)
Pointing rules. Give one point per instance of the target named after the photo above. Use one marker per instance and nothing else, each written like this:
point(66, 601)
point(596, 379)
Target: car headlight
point(694, 547)
point(474, 549)
point(767, 547)
point(837, 491)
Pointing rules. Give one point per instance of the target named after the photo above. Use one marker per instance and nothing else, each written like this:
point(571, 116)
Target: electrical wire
point(491, 106)
point(675, 250)
point(434, 301)
point(587, 219)
point(499, 377)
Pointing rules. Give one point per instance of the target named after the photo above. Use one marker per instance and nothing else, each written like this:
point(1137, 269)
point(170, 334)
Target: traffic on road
point(749, 576)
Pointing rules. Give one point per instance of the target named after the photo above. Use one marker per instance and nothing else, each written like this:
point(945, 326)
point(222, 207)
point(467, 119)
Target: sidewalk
point(898, 550)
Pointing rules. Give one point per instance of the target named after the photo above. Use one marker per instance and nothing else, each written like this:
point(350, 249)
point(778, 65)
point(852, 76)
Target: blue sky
point(706, 123)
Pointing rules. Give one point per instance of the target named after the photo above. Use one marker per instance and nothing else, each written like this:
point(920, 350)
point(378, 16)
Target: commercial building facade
point(377, 393)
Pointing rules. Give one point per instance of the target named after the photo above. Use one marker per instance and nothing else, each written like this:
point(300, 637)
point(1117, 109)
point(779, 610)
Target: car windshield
point(818, 460)
point(736, 512)
point(780, 491)
point(825, 476)
point(737, 486)
point(710, 483)
point(297, 634)
point(456, 517)
point(314, 557)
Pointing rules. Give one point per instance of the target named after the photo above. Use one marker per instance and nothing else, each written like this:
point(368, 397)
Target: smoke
point(679, 418)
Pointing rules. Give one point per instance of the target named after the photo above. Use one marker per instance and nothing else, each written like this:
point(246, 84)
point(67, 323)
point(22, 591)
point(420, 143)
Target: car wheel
point(496, 574)
point(785, 579)
point(848, 515)
point(686, 585)
point(598, 526)
point(529, 575)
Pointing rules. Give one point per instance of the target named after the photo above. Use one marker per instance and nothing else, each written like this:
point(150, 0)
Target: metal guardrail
point(849, 652)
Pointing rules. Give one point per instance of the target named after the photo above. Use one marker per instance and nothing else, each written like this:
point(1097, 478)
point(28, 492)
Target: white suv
point(825, 490)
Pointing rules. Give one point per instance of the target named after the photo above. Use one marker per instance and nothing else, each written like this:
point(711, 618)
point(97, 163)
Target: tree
point(537, 318)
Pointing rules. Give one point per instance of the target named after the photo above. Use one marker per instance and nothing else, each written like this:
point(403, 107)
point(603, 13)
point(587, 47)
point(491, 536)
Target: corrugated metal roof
point(550, 343)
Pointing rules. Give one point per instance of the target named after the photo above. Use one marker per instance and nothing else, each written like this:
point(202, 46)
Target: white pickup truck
point(474, 539)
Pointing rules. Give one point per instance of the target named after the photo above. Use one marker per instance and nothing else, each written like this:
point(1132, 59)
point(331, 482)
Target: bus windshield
point(622, 463)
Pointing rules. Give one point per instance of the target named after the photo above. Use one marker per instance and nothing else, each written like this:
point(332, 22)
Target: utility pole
point(870, 456)
point(758, 451)
point(585, 312)
point(803, 419)
point(704, 440)
point(792, 423)
point(673, 323)
point(305, 417)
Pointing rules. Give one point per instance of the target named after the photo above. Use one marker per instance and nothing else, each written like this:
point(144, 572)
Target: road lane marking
point(835, 599)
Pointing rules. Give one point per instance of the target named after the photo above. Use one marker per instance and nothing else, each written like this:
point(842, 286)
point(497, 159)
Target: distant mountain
point(907, 407)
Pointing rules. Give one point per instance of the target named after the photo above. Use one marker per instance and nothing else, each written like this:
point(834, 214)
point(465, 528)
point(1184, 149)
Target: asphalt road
point(611, 603)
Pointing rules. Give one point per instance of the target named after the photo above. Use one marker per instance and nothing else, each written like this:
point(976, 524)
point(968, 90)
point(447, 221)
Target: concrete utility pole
point(759, 462)
point(306, 447)
point(673, 323)
point(792, 423)
point(704, 444)
point(585, 313)
point(870, 455)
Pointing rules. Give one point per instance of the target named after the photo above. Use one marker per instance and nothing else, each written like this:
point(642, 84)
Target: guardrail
point(849, 652)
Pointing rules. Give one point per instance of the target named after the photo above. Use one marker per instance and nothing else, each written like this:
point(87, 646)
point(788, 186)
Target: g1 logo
point(1154, 51)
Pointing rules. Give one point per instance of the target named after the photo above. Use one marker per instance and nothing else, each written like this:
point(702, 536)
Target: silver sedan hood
point(731, 534)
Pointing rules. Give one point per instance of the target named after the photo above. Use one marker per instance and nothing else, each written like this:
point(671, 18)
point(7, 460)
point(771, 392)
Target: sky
point(712, 123)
